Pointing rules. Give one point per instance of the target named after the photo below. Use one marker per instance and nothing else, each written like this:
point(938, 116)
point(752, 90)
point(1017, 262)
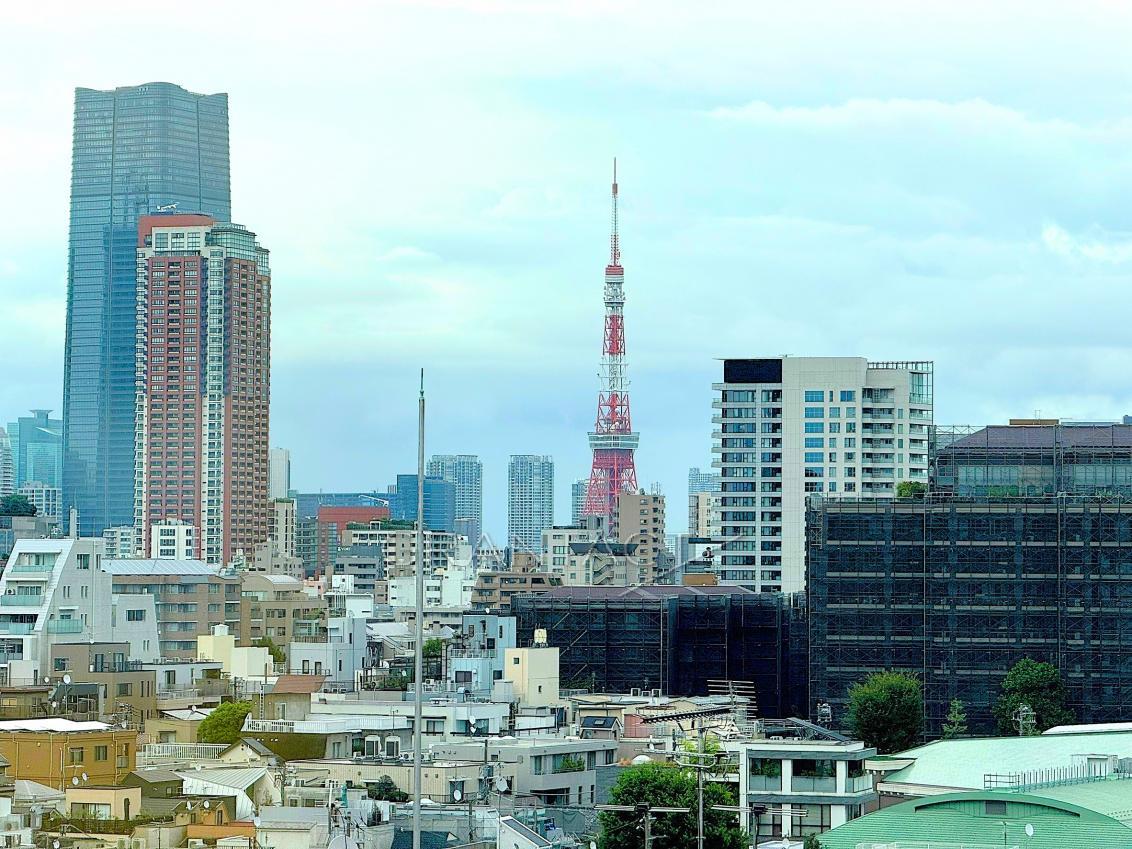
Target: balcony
point(32, 568)
point(185, 694)
point(21, 600)
point(15, 629)
point(758, 783)
point(64, 626)
point(813, 784)
point(167, 754)
point(859, 783)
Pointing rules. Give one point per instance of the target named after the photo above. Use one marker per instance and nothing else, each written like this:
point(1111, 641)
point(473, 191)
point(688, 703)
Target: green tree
point(1038, 685)
point(886, 710)
point(397, 525)
point(911, 489)
point(571, 764)
point(956, 723)
point(224, 723)
point(811, 842)
point(433, 647)
point(276, 652)
point(665, 785)
point(384, 790)
point(16, 505)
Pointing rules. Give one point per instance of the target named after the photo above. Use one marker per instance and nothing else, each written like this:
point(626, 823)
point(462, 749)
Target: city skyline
point(984, 234)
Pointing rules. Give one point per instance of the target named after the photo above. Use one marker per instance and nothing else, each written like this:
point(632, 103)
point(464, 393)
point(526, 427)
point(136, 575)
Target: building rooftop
point(158, 567)
point(53, 724)
point(298, 684)
point(640, 593)
point(1092, 814)
point(1046, 436)
point(963, 764)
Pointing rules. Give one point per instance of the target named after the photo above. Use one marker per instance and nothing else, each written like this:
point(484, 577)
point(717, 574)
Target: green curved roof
point(1096, 814)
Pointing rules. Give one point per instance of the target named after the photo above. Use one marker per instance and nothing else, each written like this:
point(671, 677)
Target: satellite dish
point(67, 678)
point(501, 785)
point(54, 844)
point(457, 795)
point(207, 805)
point(256, 821)
point(85, 777)
point(75, 781)
point(1029, 830)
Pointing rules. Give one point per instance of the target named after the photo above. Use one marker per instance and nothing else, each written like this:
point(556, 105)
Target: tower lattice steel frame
point(613, 439)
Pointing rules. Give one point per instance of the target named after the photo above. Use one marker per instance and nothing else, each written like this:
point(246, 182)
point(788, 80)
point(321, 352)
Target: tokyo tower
point(613, 439)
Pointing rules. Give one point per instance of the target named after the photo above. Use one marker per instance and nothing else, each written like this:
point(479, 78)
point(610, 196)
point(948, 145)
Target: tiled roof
point(1046, 436)
point(640, 593)
point(158, 567)
point(294, 684)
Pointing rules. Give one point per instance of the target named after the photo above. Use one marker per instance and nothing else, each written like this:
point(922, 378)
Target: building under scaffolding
point(1022, 547)
point(674, 639)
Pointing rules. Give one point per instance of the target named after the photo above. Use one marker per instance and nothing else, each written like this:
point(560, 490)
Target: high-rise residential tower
point(700, 483)
point(613, 439)
point(135, 149)
point(7, 465)
point(530, 500)
point(790, 427)
point(37, 448)
point(439, 502)
point(578, 491)
point(278, 473)
point(465, 473)
point(203, 398)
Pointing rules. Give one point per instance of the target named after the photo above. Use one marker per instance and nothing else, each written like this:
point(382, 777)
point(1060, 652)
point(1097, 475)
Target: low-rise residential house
point(342, 654)
point(339, 736)
point(497, 584)
point(818, 774)
point(122, 688)
point(552, 770)
point(52, 751)
point(446, 713)
point(252, 786)
point(102, 802)
point(177, 726)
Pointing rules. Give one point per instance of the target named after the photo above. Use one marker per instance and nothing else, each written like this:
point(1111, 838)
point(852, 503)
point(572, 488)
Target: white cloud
point(1100, 249)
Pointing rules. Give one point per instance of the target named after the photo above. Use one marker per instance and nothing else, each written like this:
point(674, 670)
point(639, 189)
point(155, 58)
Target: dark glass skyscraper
point(135, 149)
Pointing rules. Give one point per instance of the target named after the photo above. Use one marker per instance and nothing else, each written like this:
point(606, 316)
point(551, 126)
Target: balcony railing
point(15, 628)
point(813, 784)
point(174, 695)
point(858, 783)
point(64, 626)
point(32, 567)
point(764, 782)
point(21, 600)
point(160, 754)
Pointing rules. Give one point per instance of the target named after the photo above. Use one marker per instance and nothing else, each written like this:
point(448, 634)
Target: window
point(125, 689)
point(100, 753)
point(848, 395)
point(995, 809)
point(815, 427)
point(814, 395)
point(60, 664)
point(135, 615)
point(815, 442)
point(514, 661)
point(815, 412)
point(75, 755)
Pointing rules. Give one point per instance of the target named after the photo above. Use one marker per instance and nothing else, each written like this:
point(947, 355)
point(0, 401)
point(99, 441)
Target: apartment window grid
point(883, 436)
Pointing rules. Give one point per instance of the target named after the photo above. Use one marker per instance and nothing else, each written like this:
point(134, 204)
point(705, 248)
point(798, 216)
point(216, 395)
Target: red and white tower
point(613, 439)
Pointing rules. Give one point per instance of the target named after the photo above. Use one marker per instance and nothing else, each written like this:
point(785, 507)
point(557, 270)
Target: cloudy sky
point(895, 180)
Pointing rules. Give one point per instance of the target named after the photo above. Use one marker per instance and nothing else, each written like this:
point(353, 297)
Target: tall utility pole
point(418, 656)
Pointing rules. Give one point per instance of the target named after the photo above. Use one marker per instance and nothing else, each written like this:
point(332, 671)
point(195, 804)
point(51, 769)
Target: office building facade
point(439, 502)
point(203, 401)
point(578, 491)
point(787, 428)
point(37, 449)
point(530, 500)
point(135, 149)
point(465, 473)
point(639, 521)
point(7, 465)
point(46, 499)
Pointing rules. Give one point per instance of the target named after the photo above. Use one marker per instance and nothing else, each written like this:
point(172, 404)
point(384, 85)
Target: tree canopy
point(666, 785)
point(886, 710)
point(224, 723)
point(276, 652)
point(433, 647)
point(956, 723)
point(910, 489)
point(16, 505)
point(1038, 685)
point(384, 790)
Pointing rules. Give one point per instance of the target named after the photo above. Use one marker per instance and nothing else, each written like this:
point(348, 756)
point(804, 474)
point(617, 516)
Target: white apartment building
point(47, 499)
point(121, 542)
point(448, 587)
point(786, 428)
point(703, 514)
point(55, 591)
point(172, 539)
point(556, 546)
